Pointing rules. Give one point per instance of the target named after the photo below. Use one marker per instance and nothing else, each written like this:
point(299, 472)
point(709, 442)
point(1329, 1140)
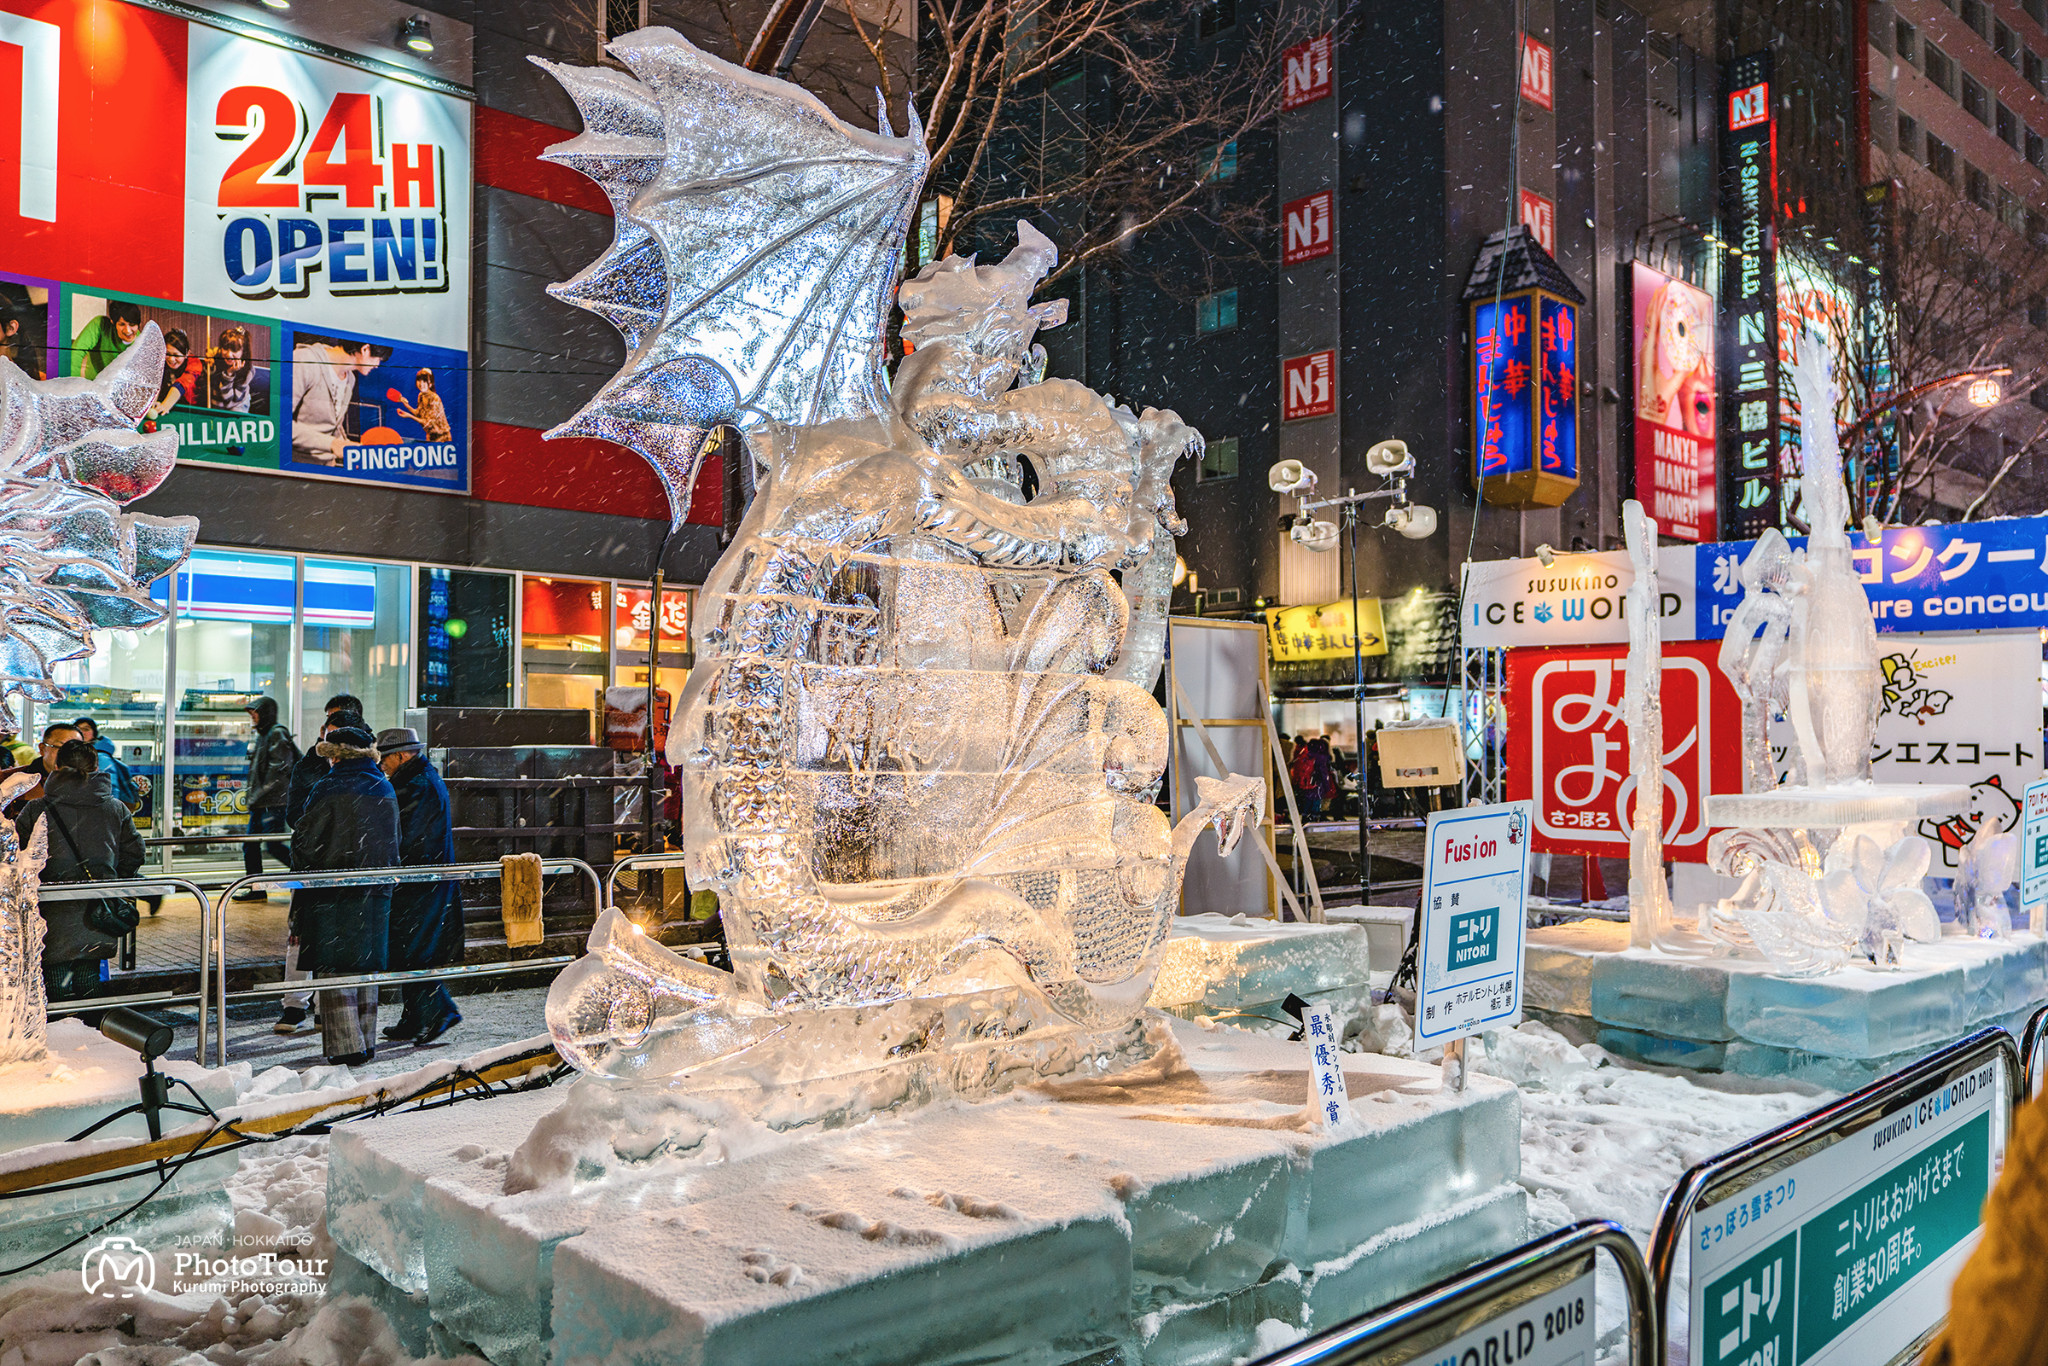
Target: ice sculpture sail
point(919, 749)
point(71, 562)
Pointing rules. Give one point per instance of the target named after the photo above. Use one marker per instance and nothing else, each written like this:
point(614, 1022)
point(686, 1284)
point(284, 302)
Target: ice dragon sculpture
point(71, 562)
point(919, 747)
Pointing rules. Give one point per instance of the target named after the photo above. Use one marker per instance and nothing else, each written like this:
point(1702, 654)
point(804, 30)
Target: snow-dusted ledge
point(1166, 1214)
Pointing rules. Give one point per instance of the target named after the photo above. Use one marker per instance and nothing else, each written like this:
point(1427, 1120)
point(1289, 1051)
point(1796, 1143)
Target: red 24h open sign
point(1568, 746)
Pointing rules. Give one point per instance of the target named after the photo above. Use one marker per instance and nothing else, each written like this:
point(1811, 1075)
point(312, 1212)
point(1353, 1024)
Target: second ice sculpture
point(71, 562)
point(1829, 874)
point(919, 749)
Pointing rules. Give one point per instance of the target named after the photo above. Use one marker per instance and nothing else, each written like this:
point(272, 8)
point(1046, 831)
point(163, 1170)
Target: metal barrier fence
point(126, 887)
point(1533, 1305)
point(1764, 1224)
point(637, 861)
point(2030, 1051)
point(213, 985)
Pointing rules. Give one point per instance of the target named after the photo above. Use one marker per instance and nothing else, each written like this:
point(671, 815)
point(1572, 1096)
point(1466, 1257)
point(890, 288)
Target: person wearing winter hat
point(426, 917)
point(350, 821)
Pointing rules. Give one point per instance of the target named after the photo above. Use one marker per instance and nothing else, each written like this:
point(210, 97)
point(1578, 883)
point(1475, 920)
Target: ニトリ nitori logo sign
point(1307, 69)
point(1308, 229)
point(1308, 386)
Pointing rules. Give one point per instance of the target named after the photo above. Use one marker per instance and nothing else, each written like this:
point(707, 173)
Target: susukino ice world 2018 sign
point(297, 227)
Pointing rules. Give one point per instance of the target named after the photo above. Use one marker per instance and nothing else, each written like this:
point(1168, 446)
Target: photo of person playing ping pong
point(427, 410)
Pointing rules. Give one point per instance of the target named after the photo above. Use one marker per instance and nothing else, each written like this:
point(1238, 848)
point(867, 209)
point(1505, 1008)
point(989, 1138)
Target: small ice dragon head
point(984, 312)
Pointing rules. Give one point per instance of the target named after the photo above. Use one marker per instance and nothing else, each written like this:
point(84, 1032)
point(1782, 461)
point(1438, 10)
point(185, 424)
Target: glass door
point(356, 621)
point(232, 646)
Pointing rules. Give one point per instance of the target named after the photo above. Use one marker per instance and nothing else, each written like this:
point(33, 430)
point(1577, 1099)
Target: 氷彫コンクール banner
point(260, 203)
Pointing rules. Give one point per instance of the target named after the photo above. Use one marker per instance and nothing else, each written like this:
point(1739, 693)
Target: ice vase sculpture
point(71, 563)
point(919, 748)
point(1828, 874)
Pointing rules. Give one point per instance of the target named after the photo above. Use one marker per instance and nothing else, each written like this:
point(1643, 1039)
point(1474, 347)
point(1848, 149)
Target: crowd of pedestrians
point(357, 800)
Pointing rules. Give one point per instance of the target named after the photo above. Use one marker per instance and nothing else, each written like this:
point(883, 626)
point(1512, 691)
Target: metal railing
point(1781, 1147)
point(126, 887)
point(2030, 1051)
point(674, 858)
point(213, 985)
point(1478, 1297)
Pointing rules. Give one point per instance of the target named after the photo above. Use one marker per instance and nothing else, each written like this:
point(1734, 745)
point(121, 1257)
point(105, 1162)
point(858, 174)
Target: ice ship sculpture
point(919, 748)
point(71, 562)
point(1829, 874)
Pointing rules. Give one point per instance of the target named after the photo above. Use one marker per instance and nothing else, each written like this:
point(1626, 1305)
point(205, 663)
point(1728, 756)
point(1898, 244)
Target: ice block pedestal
point(1217, 965)
point(83, 1078)
point(1157, 1217)
point(1839, 1030)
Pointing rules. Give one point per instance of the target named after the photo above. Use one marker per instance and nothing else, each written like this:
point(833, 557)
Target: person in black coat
point(306, 773)
point(351, 821)
point(426, 917)
point(90, 833)
point(271, 756)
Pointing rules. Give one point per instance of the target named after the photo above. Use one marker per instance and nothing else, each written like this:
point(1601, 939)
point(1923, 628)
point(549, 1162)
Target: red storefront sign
point(1568, 746)
point(1307, 70)
point(1539, 216)
point(1308, 229)
point(1535, 71)
point(1308, 386)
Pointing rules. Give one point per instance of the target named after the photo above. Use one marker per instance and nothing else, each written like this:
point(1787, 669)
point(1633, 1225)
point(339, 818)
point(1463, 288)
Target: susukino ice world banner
point(298, 228)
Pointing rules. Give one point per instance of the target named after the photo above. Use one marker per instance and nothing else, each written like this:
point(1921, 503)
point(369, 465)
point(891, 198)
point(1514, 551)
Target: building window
point(2034, 69)
point(1940, 69)
point(1216, 312)
point(1977, 187)
point(1905, 39)
point(1977, 18)
point(1941, 159)
point(2037, 151)
point(2006, 43)
point(1976, 101)
point(1909, 136)
point(2037, 311)
point(1218, 15)
point(2037, 227)
point(465, 638)
point(2037, 10)
point(2008, 127)
point(1224, 165)
point(1219, 461)
point(621, 17)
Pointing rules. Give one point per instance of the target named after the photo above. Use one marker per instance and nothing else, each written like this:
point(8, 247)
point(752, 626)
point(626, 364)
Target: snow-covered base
point(1838, 1031)
point(1179, 1213)
point(1227, 966)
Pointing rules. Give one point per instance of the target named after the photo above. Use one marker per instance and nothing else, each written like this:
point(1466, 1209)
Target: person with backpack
point(90, 839)
point(271, 757)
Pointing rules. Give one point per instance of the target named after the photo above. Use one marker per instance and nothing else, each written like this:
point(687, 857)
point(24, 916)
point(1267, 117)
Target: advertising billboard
point(1673, 346)
point(1749, 300)
point(301, 225)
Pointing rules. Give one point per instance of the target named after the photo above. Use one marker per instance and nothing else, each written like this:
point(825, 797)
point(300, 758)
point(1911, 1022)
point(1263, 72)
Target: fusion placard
point(1475, 883)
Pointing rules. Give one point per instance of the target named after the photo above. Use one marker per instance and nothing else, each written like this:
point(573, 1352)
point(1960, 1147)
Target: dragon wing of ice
point(755, 252)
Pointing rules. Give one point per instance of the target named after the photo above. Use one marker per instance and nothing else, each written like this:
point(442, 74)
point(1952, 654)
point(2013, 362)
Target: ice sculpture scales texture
point(918, 749)
point(71, 562)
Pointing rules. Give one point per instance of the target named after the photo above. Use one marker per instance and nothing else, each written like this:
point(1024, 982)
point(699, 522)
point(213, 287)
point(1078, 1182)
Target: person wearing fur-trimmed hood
point(350, 821)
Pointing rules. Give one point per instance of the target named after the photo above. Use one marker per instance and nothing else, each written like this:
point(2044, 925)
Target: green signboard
point(1844, 1257)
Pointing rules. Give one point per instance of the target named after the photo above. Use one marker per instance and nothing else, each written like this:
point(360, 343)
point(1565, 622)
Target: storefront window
point(233, 645)
point(465, 638)
point(631, 619)
point(121, 687)
point(562, 646)
point(358, 640)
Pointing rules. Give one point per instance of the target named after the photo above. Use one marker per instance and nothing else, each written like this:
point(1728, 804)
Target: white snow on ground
point(1600, 1139)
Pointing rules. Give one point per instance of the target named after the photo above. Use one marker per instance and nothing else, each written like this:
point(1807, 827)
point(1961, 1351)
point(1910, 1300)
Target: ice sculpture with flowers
point(71, 562)
point(919, 747)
